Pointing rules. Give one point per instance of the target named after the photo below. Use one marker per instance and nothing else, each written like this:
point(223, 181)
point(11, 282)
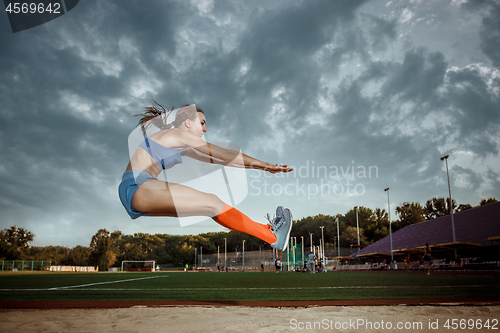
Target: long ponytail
point(156, 115)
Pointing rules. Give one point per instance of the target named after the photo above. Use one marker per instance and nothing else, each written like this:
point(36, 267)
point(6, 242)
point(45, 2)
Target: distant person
point(278, 265)
point(459, 262)
point(142, 193)
point(311, 262)
point(427, 258)
point(407, 262)
point(262, 267)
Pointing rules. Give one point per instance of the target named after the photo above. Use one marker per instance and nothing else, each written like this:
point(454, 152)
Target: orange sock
point(233, 219)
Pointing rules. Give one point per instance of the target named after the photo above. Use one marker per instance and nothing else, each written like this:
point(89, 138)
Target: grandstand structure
point(477, 238)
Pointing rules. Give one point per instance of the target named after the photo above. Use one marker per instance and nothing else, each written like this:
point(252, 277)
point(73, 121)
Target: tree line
point(111, 248)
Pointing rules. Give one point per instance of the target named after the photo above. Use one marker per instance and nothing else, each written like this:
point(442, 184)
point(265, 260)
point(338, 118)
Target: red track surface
point(362, 302)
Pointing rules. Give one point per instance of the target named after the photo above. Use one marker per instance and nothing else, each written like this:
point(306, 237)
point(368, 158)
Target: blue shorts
point(131, 181)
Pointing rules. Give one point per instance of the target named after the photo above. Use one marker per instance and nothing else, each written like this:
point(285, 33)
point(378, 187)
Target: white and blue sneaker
point(281, 225)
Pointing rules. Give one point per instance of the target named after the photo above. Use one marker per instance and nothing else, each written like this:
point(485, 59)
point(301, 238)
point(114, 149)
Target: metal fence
point(25, 265)
point(266, 257)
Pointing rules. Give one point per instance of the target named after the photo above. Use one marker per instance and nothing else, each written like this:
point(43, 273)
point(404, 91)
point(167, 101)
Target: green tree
point(487, 201)
point(312, 224)
point(101, 250)
point(409, 213)
point(78, 256)
point(437, 207)
point(463, 207)
point(350, 236)
point(57, 255)
point(15, 243)
point(377, 226)
point(367, 226)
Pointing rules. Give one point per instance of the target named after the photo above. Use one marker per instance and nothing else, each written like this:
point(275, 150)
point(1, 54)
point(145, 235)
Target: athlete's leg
point(159, 198)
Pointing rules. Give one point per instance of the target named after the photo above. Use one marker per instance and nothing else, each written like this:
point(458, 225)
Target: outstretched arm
point(206, 152)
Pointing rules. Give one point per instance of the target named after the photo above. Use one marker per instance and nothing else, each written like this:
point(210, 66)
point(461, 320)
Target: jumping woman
point(141, 193)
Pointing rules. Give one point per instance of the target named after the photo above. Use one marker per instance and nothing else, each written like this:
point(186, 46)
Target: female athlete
point(141, 193)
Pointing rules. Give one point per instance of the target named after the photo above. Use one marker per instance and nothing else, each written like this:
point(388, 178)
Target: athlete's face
point(196, 127)
point(203, 121)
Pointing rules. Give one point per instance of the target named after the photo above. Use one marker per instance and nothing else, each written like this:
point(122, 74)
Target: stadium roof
point(474, 225)
point(373, 255)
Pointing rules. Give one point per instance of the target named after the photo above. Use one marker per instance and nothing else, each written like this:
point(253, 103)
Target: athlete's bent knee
point(215, 204)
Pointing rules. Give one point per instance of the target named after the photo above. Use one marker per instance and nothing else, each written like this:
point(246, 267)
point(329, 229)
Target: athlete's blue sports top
point(165, 157)
point(132, 179)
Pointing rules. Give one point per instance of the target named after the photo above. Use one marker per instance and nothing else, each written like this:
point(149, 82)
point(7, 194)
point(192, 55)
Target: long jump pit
point(374, 315)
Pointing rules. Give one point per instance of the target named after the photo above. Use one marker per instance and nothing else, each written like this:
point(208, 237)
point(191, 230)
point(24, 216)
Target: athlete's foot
point(281, 226)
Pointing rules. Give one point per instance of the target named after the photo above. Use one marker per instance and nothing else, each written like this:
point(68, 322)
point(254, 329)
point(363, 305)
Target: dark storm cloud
point(489, 33)
point(277, 48)
point(404, 126)
point(472, 97)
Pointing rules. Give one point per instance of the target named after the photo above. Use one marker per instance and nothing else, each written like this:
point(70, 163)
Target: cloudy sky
point(356, 95)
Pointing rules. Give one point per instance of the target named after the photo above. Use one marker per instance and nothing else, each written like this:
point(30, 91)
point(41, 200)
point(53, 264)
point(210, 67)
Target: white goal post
point(139, 265)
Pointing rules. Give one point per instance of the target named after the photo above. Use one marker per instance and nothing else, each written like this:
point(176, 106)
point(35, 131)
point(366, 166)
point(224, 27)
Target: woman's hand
point(277, 168)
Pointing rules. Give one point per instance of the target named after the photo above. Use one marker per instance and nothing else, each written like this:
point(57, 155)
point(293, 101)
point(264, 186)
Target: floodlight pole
point(338, 235)
point(302, 263)
point(288, 257)
point(357, 224)
point(445, 158)
point(225, 253)
point(323, 241)
point(390, 223)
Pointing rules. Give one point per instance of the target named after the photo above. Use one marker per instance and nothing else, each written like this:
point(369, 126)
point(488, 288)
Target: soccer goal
point(138, 265)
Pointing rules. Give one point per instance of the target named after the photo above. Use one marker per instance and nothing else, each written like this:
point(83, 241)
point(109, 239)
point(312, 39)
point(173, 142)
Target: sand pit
point(209, 318)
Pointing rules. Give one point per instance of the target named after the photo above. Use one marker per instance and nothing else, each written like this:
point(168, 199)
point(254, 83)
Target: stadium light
point(302, 250)
point(338, 235)
point(225, 253)
point(445, 158)
point(310, 234)
point(390, 223)
point(357, 223)
point(323, 242)
point(288, 256)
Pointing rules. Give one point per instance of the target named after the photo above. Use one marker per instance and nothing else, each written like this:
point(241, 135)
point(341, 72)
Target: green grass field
point(252, 286)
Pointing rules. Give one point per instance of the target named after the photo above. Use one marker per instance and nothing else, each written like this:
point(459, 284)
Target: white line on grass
point(107, 282)
point(285, 288)
point(240, 288)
